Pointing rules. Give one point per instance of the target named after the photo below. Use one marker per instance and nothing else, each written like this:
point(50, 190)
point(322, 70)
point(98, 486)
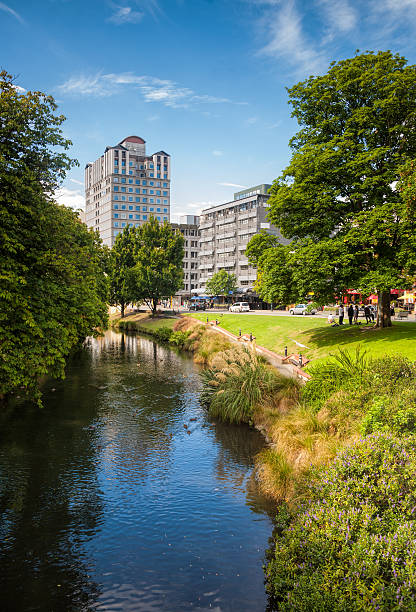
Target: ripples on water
point(107, 503)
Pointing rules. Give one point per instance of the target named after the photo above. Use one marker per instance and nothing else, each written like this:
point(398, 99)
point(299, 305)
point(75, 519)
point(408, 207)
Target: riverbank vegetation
point(53, 286)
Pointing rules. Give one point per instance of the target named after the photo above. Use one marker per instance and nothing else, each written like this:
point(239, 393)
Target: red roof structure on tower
point(135, 139)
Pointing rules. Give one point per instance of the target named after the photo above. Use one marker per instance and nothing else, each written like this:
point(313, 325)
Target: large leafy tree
point(337, 200)
point(157, 272)
point(52, 268)
point(221, 283)
point(121, 262)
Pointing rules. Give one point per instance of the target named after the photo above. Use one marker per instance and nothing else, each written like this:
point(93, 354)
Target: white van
point(239, 307)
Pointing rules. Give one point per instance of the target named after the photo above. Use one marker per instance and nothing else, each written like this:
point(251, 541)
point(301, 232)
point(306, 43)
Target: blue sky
point(203, 80)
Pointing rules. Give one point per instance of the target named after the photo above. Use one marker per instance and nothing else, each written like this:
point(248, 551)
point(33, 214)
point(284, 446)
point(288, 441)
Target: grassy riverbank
point(276, 332)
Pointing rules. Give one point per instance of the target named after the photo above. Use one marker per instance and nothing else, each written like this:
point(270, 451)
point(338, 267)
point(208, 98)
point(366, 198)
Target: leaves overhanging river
point(107, 503)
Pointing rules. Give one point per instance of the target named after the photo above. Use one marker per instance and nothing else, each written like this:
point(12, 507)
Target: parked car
point(239, 307)
point(197, 306)
point(301, 309)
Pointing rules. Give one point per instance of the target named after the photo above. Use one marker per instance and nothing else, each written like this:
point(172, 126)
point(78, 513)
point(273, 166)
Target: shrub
point(238, 381)
point(178, 338)
point(163, 334)
point(353, 546)
point(396, 414)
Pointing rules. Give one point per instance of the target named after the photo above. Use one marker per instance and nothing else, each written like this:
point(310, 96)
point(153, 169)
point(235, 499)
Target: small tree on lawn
point(221, 283)
point(337, 201)
point(158, 254)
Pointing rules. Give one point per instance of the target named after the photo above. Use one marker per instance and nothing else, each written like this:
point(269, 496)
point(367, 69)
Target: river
point(108, 502)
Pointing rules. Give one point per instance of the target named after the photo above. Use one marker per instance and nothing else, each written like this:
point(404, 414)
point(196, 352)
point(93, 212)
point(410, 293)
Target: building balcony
point(226, 264)
point(207, 266)
point(247, 230)
point(248, 214)
point(247, 277)
point(226, 235)
point(224, 220)
point(204, 226)
point(226, 250)
point(206, 253)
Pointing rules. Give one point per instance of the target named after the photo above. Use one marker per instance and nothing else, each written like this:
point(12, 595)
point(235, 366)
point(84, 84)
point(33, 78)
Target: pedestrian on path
point(367, 313)
point(350, 313)
point(356, 313)
point(340, 314)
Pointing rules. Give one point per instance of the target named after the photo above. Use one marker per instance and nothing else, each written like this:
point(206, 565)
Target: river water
point(108, 503)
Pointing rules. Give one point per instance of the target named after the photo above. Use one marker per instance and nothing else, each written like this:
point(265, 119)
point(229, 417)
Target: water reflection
point(120, 495)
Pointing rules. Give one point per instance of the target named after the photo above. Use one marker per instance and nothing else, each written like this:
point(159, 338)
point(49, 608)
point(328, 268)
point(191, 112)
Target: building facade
point(225, 231)
point(126, 187)
point(188, 226)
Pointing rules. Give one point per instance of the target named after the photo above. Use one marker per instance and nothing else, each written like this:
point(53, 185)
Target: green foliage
point(179, 338)
point(238, 381)
point(163, 334)
point(349, 227)
point(258, 244)
point(221, 283)
point(121, 262)
point(396, 414)
point(352, 546)
point(53, 287)
point(157, 271)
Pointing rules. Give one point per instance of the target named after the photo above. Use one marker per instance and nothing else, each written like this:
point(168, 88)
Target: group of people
point(352, 311)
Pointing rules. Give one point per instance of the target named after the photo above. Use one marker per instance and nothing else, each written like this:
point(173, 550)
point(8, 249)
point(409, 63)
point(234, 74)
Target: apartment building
point(188, 226)
point(225, 231)
point(126, 187)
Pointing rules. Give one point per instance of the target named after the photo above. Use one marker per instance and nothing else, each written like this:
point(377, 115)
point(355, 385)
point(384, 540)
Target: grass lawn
point(276, 332)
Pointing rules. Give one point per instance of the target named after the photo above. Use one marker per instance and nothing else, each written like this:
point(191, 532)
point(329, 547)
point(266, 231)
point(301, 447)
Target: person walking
point(373, 313)
point(340, 314)
point(367, 313)
point(350, 313)
point(356, 313)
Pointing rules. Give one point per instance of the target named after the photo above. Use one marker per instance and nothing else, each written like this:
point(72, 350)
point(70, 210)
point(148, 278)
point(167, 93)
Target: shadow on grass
point(342, 336)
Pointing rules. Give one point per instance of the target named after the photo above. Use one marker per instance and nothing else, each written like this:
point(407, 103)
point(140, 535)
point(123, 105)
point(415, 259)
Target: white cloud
point(76, 182)
point(217, 153)
point(288, 41)
point(251, 120)
point(192, 208)
point(70, 197)
point(153, 118)
point(232, 185)
point(125, 14)
point(339, 14)
point(7, 9)
point(152, 89)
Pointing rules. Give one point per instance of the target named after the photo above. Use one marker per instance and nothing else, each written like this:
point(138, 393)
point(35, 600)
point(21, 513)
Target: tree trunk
point(383, 309)
point(154, 306)
point(122, 306)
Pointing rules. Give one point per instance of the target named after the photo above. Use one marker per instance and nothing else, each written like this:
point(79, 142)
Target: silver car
point(301, 309)
point(239, 307)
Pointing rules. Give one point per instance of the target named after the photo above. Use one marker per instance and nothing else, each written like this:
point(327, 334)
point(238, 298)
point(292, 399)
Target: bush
point(238, 381)
point(163, 334)
point(352, 547)
point(396, 414)
point(179, 338)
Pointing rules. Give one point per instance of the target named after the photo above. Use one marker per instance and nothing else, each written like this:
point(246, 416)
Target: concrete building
point(188, 226)
point(225, 232)
point(126, 187)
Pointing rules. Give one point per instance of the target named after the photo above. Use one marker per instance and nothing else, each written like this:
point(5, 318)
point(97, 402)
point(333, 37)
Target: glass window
point(116, 162)
point(151, 191)
point(158, 210)
point(116, 197)
point(165, 176)
point(130, 172)
point(131, 182)
point(158, 218)
point(157, 192)
point(123, 190)
point(137, 216)
point(165, 193)
point(165, 184)
point(165, 168)
point(131, 224)
point(137, 182)
point(165, 210)
point(165, 218)
point(123, 163)
point(151, 183)
point(123, 180)
point(151, 200)
point(144, 182)
point(131, 163)
point(151, 166)
point(137, 207)
point(151, 174)
point(137, 200)
point(157, 201)
point(130, 190)
point(116, 224)
point(115, 188)
point(123, 207)
point(130, 216)
point(141, 167)
point(123, 198)
point(144, 190)
point(130, 199)
point(123, 225)
point(144, 200)
point(116, 206)
point(131, 207)
point(137, 190)
point(158, 175)
point(165, 201)
point(151, 209)
point(115, 215)
point(123, 172)
point(115, 179)
point(144, 217)
point(144, 208)
point(116, 170)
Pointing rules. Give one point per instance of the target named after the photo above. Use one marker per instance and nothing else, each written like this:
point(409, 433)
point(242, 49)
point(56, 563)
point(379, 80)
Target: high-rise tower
point(126, 187)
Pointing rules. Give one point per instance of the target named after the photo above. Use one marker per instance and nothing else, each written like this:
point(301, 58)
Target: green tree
point(121, 262)
point(221, 283)
point(158, 254)
point(337, 201)
point(52, 268)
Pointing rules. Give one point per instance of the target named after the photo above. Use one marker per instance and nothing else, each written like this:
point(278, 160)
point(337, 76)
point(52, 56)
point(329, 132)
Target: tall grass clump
point(238, 382)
